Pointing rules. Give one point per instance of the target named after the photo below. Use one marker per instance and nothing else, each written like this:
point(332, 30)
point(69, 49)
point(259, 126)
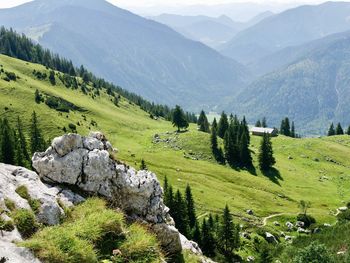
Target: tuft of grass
point(25, 222)
point(10, 204)
point(22, 191)
point(6, 225)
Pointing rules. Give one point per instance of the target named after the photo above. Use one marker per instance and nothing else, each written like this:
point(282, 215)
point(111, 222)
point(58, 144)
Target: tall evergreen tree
point(196, 234)
point(8, 143)
point(348, 131)
point(266, 159)
point(190, 205)
point(214, 125)
point(285, 127)
point(22, 144)
point(179, 118)
point(245, 156)
point(292, 133)
point(264, 122)
point(169, 199)
point(331, 131)
point(339, 130)
point(258, 124)
point(229, 146)
point(217, 152)
point(228, 236)
point(52, 78)
point(208, 241)
point(203, 123)
point(222, 125)
point(179, 214)
point(37, 96)
point(37, 140)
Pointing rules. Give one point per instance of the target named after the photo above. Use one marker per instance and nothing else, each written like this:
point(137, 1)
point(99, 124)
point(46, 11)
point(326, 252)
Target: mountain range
point(147, 57)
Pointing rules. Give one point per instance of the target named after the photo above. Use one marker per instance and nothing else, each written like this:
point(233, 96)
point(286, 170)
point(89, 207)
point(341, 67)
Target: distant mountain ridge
point(292, 27)
point(139, 54)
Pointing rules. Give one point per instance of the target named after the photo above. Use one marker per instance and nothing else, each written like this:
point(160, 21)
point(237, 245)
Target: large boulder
point(87, 163)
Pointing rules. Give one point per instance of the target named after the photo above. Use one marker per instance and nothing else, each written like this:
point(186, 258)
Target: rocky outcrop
point(87, 163)
point(49, 212)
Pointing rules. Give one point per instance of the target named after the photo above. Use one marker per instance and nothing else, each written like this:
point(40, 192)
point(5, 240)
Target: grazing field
point(315, 169)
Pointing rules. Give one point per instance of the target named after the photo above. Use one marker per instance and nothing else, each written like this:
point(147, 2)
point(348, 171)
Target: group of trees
point(236, 138)
point(288, 129)
point(19, 46)
point(15, 149)
point(217, 236)
point(337, 130)
point(262, 123)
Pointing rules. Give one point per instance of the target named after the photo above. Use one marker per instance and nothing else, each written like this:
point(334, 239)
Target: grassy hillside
point(315, 170)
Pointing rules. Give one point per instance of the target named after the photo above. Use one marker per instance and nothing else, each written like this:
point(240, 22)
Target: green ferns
point(90, 234)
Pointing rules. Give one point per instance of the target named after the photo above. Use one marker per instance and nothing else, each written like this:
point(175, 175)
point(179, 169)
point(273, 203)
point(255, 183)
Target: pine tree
point(214, 125)
point(143, 165)
point(37, 140)
point(266, 159)
point(339, 130)
point(217, 152)
point(37, 96)
point(22, 151)
point(287, 127)
point(196, 234)
point(179, 214)
point(165, 185)
point(179, 118)
point(245, 156)
point(169, 199)
point(52, 78)
point(229, 146)
point(264, 123)
point(292, 133)
point(331, 131)
point(8, 143)
point(228, 236)
point(258, 124)
point(190, 205)
point(208, 242)
point(348, 131)
point(222, 125)
point(203, 123)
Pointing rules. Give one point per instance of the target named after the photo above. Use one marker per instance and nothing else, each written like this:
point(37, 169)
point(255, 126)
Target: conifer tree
point(37, 96)
point(190, 205)
point(203, 123)
point(37, 140)
point(52, 78)
point(180, 214)
point(292, 133)
point(165, 185)
point(8, 143)
point(208, 241)
point(214, 125)
point(179, 118)
point(264, 123)
point(169, 198)
point(228, 236)
point(217, 152)
point(229, 146)
point(143, 165)
point(331, 131)
point(348, 131)
point(266, 159)
point(339, 130)
point(22, 145)
point(222, 125)
point(196, 234)
point(258, 124)
point(245, 156)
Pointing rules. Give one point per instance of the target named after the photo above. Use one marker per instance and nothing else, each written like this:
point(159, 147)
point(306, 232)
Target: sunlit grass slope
point(316, 170)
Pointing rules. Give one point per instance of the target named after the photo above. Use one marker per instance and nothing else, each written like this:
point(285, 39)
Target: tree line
point(338, 130)
point(19, 46)
point(15, 148)
point(218, 236)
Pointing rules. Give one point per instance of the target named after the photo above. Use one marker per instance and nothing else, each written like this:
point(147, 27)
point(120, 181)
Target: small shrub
point(25, 221)
point(72, 126)
point(10, 204)
point(307, 219)
point(314, 253)
point(11, 76)
point(6, 225)
point(35, 205)
point(22, 191)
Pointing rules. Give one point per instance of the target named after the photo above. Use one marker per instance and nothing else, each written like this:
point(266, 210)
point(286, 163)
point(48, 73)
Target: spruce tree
point(8, 143)
point(52, 78)
point(229, 146)
point(165, 185)
point(258, 124)
point(217, 152)
point(348, 131)
point(222, 125)
point(208, 242)
point(37, 96)
point(331, 131)
point(266, 159)
point(179, 118)
point(245, 156)
point(228, 236)
point(169, 199)
point(143, 165)
point(339, 130)
point(287, 127)
point(196, 234)
point(203, 123)
point(214, 125)
point(264, 123)
point(180, 214)
point(22, 145)
point(190, 205)
point(283, 127)
point(37, 140)
point(292, 133)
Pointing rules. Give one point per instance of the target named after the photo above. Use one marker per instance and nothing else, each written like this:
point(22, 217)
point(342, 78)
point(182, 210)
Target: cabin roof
point(262, 130)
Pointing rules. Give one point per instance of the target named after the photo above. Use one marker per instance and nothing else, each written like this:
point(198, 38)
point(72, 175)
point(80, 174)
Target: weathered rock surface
point(87, 163)
point(50, 212)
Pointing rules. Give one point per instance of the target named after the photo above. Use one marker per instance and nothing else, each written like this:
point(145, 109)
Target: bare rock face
point(86, 163)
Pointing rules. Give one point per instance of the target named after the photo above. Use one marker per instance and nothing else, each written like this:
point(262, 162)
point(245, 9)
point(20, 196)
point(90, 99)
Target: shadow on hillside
point(274, 175)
